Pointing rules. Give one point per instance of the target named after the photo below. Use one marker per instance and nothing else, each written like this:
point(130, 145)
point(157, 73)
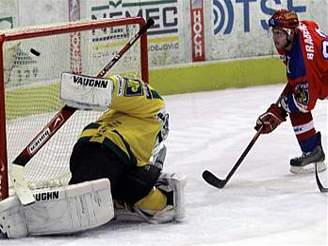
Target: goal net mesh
point(32, 71)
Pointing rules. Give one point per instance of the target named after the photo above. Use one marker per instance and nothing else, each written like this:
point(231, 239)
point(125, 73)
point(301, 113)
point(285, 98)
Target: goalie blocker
point(85, 92)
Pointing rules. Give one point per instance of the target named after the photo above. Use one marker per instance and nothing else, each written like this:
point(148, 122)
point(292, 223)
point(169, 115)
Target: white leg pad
point(59, 210)
point(12, 218)
point(176, 211)
point(171, 183)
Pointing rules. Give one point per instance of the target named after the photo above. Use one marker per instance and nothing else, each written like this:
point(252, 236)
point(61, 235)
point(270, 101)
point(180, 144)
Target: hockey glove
point(271, 119)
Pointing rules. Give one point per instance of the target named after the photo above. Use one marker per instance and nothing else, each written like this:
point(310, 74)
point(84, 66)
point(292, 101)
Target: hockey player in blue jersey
point(305, 51)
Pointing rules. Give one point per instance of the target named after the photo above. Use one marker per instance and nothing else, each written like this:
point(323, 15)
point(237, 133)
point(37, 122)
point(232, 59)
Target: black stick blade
point(211, 179)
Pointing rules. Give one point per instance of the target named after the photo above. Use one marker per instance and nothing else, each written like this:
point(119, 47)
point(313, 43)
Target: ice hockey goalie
point(116, 165)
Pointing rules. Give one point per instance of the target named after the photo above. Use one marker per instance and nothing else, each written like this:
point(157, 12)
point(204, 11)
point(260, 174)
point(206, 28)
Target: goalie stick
point(17, 170)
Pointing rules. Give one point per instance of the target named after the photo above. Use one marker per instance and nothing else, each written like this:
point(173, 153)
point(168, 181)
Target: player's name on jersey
point(309, 44)
point(87, 81)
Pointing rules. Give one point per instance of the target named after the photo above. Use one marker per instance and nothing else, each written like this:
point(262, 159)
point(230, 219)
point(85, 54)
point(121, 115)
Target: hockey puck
point(35, 52)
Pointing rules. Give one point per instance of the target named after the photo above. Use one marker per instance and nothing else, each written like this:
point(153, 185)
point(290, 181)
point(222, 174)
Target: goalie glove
point(271, 119)
point(85, 92)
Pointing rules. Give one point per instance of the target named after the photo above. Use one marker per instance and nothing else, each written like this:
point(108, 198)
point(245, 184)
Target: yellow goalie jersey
point(135, 121)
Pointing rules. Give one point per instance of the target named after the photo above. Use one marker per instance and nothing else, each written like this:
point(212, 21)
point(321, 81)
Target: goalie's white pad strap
point(84, 92)
point(60, 210)
point(20, 185)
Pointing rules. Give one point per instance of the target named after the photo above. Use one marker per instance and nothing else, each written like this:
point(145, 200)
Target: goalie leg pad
point(172, 186)
point(61, 210)
point(12, 218)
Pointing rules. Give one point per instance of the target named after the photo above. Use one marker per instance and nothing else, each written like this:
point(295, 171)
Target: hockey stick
point(220, 183)
point(320, 185)
point(213, 180)
point(17, 170)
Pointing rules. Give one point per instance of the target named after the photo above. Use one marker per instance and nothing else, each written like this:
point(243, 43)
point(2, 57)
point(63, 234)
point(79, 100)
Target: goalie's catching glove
point(271, 119)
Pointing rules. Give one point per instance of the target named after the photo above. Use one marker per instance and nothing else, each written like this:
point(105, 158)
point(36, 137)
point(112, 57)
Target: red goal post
point(73, 29)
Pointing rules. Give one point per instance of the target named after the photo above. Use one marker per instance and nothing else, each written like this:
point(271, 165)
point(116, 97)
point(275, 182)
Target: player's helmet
point(284, 19)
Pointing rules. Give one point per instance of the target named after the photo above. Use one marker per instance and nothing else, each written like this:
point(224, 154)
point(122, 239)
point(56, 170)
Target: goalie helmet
point(284, 19)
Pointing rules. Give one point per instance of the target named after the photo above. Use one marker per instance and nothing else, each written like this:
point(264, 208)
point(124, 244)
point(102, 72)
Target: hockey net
point(31, 64)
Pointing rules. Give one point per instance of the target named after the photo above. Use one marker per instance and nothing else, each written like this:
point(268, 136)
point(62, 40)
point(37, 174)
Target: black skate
point(301, 165)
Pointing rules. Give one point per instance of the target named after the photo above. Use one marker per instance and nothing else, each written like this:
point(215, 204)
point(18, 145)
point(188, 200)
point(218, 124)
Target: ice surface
point(263, 204)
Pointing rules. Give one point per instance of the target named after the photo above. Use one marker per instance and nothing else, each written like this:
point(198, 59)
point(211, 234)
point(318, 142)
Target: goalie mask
point(285, 20)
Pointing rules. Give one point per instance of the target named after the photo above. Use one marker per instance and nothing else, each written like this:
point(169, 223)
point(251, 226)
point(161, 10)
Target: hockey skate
point(303, 164)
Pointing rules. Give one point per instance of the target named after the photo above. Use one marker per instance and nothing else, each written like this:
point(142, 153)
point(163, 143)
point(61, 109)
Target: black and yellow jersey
point(132, 123)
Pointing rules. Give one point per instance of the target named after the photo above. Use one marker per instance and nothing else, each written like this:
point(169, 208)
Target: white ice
point(263, 204)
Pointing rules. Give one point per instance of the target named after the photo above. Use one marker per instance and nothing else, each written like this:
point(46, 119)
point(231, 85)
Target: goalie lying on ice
point(116, 165)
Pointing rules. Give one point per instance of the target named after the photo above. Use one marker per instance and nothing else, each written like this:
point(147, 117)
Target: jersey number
point(325, 49)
